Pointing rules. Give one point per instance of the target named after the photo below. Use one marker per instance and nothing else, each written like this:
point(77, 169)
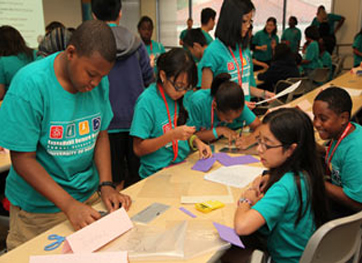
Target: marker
point(187, 212)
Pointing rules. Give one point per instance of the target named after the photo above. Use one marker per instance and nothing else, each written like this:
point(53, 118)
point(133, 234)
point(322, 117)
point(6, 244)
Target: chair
point(335, 242)
point(304, 87)
point(338, 66)
point(320, 75)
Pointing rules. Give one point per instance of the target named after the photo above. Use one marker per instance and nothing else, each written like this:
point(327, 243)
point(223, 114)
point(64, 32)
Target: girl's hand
point(204, 149)
point(111, 199)
point(253, 195)
point(263, 47)
point(260, 183)
point(182, 132)
point(269, 95)
point(251, 105)
point(228, 133)
point(244, 142)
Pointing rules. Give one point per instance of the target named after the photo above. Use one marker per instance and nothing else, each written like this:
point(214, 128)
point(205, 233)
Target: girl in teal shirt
point(289, 204)
point(311, 58)
point(14, 54)
point(229, 52)
point(160, 135)
point(221, 110)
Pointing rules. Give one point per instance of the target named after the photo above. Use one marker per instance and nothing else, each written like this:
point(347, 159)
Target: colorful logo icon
point(83, 128)
point(231, 66)
point(56, 132)
point(96, 123)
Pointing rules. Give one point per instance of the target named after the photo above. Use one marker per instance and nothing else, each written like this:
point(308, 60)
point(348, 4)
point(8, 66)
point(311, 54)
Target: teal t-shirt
point(200, 113)
point(183, 34)
point(347, 165)
point(209, 38)
point(312, 55)
point(262, 38)
point(38, 115)
point(357, 44)
point(332, 19)
point(9, 65)
point(326, 60)
point(293, 36)
point(150, 120)
point(157, 49)
point(279, 208)
point(218, 59)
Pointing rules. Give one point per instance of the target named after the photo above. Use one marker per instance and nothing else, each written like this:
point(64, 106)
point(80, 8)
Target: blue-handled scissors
point(58, 240)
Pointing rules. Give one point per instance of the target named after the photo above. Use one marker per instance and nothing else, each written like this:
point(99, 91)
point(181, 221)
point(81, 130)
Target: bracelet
point(215, 133)
point(245, 200)
point(105, 183)
point(191, 141)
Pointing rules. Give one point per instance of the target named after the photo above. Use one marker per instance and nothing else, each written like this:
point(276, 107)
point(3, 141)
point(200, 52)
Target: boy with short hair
point(332, 111)
point(54, 121)
point(208, 16)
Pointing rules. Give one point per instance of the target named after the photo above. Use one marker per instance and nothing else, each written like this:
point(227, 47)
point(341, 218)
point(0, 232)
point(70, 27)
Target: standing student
point(331, 19)
point(311, 59)
point(54, 122)
point(357, 49)
point(229, 52)
point(265, 41)
point(292, 35)
point(14, 54)
point(208, 16)
point(160, 135)
point(128, 78)
point(154, 49)
point(189, 23)
point(292, 197)
point(220, 111)
point(332, 113)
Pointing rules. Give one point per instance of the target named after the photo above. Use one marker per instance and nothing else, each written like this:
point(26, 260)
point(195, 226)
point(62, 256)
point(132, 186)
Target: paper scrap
point(187, 212)
point(99, 233)
point(228, 234)
point(204, 165)
point(109, 257)
point(288, 90)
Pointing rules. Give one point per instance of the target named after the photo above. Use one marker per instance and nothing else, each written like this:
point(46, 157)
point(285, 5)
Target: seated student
point(283, 66)
point(154, 49)
point(221, 110)
point(357, 49)
point(332, 113)
point(53, 25)
point(158, 126)
point(265, 41)
point(14, 54)
point(325, 57)
point(54, 122)
point(291, 198)
point(292, 35)
point(311, 59)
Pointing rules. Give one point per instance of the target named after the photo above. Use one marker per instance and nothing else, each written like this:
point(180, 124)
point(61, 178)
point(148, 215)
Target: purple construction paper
point(225, 159)
point(228, 234)
point(204, 165)
point(246, 159)
point(187, 212)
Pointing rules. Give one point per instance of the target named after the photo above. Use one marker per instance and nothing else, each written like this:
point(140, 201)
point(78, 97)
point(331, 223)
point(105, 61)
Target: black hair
point(312, 33)
point(229, 25)
point(293, 126)
point(274, 20)
point(228, 95)
point(175, 62)
point(295, 19)
point(194, 36)
point(282, 51)
point(12, 43)
point(144, 19)
point(338, 100)
point(321, 7)
point(52, 25)
point(207, 14)
point(106, 10)
point(94, 36)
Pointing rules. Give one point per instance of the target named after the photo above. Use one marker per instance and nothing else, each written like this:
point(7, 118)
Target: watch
point(106, 183)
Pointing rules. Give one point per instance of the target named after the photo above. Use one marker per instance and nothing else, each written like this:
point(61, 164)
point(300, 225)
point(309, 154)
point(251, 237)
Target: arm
point(340, 23)
point(355, 51)
point(261, 64)
point(260, 93)
point(102, 158)
point(208, 135)
point(337, 194)
point(207, 77)
point(244, 142)
point(2, 91)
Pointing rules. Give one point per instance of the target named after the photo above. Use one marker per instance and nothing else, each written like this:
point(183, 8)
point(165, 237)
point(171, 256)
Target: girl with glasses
point(160, 135)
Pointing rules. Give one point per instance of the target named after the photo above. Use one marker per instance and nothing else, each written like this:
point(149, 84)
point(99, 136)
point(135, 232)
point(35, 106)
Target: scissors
point(58, 240)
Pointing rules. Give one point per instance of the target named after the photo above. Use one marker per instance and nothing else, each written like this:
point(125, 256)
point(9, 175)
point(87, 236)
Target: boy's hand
point(80, 215)
point(111, 199)
point(183, 132)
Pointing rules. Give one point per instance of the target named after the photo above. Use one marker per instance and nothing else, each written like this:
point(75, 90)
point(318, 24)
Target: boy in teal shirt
point(208, 16)
point(54, 124)
point(357, 49)
point(330, 18)
point(183, 33)
point(292, 35)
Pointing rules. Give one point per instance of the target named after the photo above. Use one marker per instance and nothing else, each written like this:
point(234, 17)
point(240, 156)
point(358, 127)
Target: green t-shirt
point(38, 115)
point(150, 120)
point(347, 165)
point(326, 60)
point(262, 38)
point(293, 36)
point(357, 44)
point(209, 38)
point(200, 113)
point(157, 49)
point(279, 208)
point(9, 65)
point(218, 59)
point(332, 19)
point(183, 34)
point(312, 55)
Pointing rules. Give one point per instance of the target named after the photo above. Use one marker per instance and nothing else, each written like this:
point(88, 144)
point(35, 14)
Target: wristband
point(191, 141)
point(245, 200)
point(215, 133)
point(106, 183)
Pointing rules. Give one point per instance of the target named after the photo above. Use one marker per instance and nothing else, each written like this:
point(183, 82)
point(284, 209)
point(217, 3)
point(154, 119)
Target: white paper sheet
point(288, 90)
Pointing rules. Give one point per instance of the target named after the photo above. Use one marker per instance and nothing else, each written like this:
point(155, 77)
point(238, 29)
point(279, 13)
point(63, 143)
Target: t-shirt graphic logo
point(56, 132)
point(83, 127)
point(167, 127)
point(231, 66)
point(70, 131)
point(245, 62)
point(96, 123)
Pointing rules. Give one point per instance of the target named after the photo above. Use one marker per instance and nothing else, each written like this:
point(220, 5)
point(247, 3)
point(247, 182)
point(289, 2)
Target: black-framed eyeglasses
point(265, 146)
point(179, 87)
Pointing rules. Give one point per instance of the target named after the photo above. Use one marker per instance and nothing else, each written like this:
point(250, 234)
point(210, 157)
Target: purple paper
point(228, 234)
point(246, 159)
point(227, 160)
point(187, 212)
point(204, 165)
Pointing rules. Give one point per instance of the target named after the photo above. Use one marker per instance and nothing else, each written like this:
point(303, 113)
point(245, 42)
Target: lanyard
point(212, 114)
point(174, 143)
point(151, 47)
point(237, 65)
point(344, 134)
